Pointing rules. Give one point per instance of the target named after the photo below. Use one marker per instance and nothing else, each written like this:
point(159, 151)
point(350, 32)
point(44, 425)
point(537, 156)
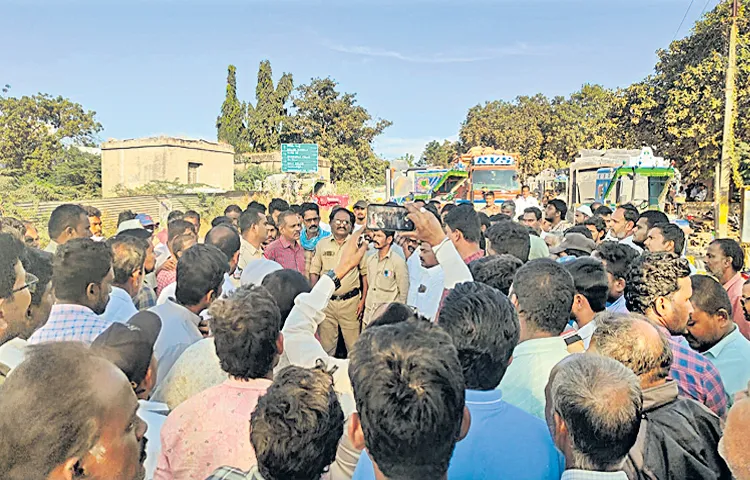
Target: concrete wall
point(133, 163)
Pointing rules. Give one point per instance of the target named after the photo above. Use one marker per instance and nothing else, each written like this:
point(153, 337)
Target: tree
point(34, 131)
point(438, 154)
point(343, 130)
point(680, 107)
point(230, 124)
point(266, 119)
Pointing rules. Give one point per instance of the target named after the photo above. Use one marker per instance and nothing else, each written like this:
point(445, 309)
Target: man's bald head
point(734, 446)
point(227, 239)
point(633, 341)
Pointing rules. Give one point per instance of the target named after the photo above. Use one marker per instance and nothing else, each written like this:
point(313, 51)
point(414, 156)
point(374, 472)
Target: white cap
point(130, 225)
point(586, 210)
point(256, 270)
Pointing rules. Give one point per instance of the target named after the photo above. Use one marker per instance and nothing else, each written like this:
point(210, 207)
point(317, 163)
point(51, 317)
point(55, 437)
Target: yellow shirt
point(248, 252)
point(327, 257)
point(388, 281)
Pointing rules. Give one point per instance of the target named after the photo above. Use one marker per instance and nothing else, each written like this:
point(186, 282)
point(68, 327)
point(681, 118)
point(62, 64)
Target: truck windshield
point(495, 180)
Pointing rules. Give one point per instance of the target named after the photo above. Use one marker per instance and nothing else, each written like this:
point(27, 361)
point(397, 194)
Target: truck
point(617, 176)
point(477, 172)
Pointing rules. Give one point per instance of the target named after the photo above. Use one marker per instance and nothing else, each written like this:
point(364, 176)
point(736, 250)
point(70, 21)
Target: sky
point(158, 67)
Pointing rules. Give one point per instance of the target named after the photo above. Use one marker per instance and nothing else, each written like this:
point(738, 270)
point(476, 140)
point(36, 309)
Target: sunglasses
point(31, 282)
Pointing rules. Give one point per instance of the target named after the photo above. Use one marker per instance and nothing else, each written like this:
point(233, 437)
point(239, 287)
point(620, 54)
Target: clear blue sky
point(159, 67)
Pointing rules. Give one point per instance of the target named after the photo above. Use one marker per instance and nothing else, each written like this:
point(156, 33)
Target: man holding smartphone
point(387, 274)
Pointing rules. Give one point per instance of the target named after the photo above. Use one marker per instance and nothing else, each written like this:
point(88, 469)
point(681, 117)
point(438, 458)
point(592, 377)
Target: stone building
point(136, 162)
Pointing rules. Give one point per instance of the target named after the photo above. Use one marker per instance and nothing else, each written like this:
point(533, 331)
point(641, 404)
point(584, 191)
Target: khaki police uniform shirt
point(247, 253)
point(388, 281)
point(327, 257)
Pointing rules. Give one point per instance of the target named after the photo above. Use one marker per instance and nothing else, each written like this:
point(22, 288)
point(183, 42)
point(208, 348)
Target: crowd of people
point(518, 341)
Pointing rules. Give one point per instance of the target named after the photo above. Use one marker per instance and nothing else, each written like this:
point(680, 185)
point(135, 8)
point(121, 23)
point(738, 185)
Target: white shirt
point(154, 414)
point(586, 332)
point(425, 286)
point(629, 242)
point(13, 352)
point(524, 203)
point(167, 293)
point(120, 307)
point(179, 330)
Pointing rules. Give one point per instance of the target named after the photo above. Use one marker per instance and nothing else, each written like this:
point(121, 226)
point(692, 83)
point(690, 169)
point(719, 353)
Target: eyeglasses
point(31, 281)
point(30, 240)
point(342, 222)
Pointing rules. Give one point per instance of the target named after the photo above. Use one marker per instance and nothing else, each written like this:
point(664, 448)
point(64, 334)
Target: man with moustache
point(388, 277)
point(348, 301)
point(286, 250)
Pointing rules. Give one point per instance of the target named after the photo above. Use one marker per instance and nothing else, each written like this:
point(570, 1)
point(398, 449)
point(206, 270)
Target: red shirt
point(473, 256)
point(734, 290)
point(288, 255)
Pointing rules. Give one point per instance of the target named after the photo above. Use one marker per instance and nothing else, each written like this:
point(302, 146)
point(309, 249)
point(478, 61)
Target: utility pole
point(727, 144)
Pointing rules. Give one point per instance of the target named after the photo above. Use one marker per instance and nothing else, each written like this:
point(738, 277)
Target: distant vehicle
point(618, 176)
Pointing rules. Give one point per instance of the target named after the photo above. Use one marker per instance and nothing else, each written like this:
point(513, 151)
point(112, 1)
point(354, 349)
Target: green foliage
point(680, 108)
point(244, 179)
point(157, 187)
point(35, 130)
point(438, 154)
point(230, 124)
point(266, 118)
point(343, 130)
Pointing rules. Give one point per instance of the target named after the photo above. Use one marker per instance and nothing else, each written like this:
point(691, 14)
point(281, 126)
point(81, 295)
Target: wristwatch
point(336, 281)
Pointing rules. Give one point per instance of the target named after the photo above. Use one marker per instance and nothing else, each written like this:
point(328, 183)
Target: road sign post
point(299, 158)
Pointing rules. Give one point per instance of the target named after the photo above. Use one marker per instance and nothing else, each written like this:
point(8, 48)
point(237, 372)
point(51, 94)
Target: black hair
point(128, 256)
point(295, 208)
point(484, 220)
point(221, 220)
point(537, 212)
point(574, 252)
point(11, 251)
point(617, 257)
point(65, 216)
point(126, 215)
point(77, 264)
point(338, 209)
point(560, 206)
point(580, 229)
point(653, 275)
point(447, 208)
point(192, 214)
point(39, 264)
point(175, 215)
point(629, 212)
point(225, 238)
point(246, 326)
point(730, 248)
point(250, 218)
point(296, 427)
point(709, 295)
point(497, 271)
point(308, 206)
point(430, 207)
point(672, 232)
point(409, 391)
point(232, 209)
point(603, 211)
point(200, 269)
point(510, 237)
point(396, 313)
point(545, 291)
point(597, 222)
point(484, 327)
point(277, 205)
point(175, 228)
point(653, 217)
point(590, 280)
point(285, 285)
point(254, 205)
point(464, 219)
point(499, 217)
point(92, 211)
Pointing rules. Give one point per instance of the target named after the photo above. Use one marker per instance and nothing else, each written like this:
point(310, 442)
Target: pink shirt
point(734, 290)
point(210, 430)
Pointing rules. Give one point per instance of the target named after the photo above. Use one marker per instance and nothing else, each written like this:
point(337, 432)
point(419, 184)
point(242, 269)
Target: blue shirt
point(618, 306)
point(503, 442)
point(731, 356)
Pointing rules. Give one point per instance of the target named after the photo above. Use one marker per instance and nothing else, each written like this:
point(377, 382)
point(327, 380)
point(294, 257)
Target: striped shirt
point(70, 323)
point(288, 255)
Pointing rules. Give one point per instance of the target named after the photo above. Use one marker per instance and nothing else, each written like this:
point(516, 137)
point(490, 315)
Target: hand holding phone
point(386, 217)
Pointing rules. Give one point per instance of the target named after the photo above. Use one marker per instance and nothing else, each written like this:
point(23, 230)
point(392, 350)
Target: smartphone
point(385, 217)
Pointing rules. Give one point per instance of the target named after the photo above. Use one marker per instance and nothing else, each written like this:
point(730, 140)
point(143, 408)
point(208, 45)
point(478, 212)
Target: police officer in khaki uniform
point(387, 273)
point(347, 303)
